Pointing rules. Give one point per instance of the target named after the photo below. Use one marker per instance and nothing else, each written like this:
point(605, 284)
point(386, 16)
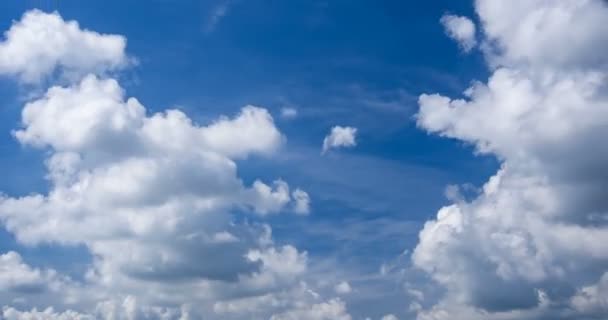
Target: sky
point(314, 160)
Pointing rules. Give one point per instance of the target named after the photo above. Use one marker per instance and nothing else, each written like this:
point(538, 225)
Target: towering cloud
point(534, 243)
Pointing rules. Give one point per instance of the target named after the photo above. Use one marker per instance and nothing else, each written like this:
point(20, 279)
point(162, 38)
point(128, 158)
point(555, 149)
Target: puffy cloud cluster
point(15, 275)
point(461, 29)
point(340, 137)
point(534, 243)
point(155, 198)
point(40, 44)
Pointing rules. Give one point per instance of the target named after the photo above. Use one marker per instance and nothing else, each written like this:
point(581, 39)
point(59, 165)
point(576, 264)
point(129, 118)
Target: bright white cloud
point(42, 43)
point(340, 137)
point(542, 34)
point(390, 317)
point(461, 29)
point(536, 234)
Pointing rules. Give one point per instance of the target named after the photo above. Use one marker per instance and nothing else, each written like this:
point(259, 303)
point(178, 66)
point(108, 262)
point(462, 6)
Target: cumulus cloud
point(15, 275)
point(301, 202)
point(533, 243)
point(340, 137)
point(154, 197)
point(42, 43)
point(461, 29)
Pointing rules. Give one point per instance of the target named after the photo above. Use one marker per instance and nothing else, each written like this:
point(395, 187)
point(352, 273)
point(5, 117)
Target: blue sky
point(372, 221)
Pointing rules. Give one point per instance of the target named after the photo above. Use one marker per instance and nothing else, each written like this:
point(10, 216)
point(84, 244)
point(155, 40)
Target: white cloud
point(461, 29)
point(151, 196)
point(343, 288)
point(340, 137)
point(143, 193)
point(545, 35)
point(390, 317)
point(18, 276)
point(42, 43)
point(301, 202)
point(536, 234)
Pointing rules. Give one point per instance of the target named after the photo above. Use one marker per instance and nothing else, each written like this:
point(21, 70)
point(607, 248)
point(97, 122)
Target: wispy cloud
point(216, 15)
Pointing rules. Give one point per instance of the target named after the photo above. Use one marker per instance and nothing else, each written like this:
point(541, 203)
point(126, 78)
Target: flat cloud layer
point(534, 243)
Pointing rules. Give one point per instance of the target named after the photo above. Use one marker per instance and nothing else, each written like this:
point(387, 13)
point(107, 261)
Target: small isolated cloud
point(390, 317)
point(344, 137)
point(461, 29)
point(343, 288)
point(289, 113)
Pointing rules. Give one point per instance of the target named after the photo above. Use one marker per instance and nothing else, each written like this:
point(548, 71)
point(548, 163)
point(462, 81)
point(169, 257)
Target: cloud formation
point(154, 197)
point(533, 243)
point(461, 29)
point(340, 137)
point(41, 44)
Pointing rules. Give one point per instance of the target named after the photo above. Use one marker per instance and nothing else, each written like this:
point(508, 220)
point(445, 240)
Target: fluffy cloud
point(15, 275)
point(301, 202)
point(340, 137)
point(541, 34)
point(155, 198)
point(461, 29)
point(536, 234)
point(41, 43)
